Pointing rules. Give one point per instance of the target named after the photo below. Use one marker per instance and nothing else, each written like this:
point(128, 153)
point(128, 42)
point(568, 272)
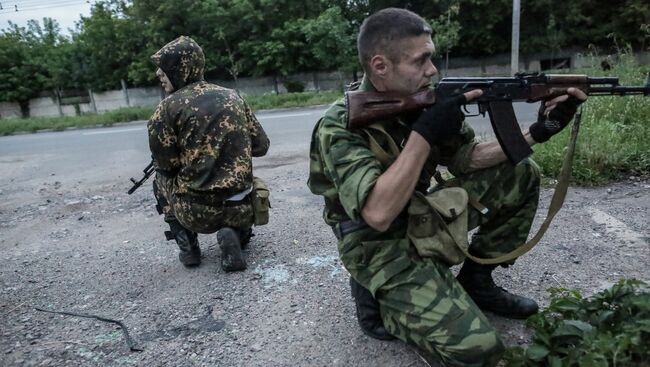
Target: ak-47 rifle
point(364, 108)
point(148, 171)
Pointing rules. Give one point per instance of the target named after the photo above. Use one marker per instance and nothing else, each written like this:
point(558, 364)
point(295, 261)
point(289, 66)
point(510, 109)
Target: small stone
point(256, 348)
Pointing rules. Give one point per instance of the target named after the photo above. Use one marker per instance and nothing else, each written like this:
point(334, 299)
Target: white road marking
point(618, 229)
point(113, 131)
point(263, 117)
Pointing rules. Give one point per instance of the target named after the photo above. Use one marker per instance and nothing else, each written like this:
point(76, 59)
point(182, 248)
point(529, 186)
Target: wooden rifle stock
point(364, 108)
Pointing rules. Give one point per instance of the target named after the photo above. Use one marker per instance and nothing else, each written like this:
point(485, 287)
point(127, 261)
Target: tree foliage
point(32, 60)
point(282, 37)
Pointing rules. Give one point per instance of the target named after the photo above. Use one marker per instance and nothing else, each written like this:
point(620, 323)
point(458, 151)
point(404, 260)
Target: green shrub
point(294, 86)
point(611, 328)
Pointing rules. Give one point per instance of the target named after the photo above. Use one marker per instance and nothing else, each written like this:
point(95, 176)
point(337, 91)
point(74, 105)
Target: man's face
point(164, 81)
point(414, 70)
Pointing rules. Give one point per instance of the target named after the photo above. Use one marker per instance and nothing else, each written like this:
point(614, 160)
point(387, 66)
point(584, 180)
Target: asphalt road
point(99, 153)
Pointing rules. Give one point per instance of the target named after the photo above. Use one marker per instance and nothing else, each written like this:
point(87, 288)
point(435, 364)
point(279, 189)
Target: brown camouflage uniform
point(202, 137)
point(420, 300)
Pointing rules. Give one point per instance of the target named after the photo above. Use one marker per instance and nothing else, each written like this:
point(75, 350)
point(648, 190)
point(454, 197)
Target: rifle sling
point(386, 159)
point(557, 201)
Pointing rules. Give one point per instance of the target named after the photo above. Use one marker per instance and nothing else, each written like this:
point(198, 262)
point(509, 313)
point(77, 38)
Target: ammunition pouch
point(437, 224)
point(260, 201)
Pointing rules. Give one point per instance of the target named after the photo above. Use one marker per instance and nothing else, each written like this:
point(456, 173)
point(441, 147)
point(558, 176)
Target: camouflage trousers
point(201, 217)
point(420, 300)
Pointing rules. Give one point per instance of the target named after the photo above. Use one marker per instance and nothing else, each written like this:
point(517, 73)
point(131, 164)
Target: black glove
point(441, 121)
point(557, 119)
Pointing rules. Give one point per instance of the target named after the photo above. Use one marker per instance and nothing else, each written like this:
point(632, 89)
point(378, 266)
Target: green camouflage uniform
point(420, 300)
point(201, 138)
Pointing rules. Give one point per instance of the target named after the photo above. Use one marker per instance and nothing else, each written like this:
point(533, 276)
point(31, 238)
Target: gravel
point(92, 249)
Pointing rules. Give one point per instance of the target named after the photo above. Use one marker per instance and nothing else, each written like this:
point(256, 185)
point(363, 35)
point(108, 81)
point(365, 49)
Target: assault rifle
point(148, 171)
point(364, 108)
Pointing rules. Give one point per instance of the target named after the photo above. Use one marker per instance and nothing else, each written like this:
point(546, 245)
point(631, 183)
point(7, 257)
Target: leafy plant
point(294, 86)
point(611, 328)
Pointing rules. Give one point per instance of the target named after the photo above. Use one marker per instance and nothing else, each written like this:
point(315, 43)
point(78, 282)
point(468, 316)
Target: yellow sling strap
point(385, 158)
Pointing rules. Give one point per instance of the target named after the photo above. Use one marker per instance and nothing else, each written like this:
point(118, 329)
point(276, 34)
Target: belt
point(343, 228)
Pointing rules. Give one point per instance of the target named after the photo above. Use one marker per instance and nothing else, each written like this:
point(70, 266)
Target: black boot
point(245, 236)
point(368, 312)
point(232, 258)
point(188, 244)
point(478, 283)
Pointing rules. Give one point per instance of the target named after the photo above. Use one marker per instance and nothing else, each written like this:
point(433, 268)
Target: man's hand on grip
point(444, 119)
point(555, 115)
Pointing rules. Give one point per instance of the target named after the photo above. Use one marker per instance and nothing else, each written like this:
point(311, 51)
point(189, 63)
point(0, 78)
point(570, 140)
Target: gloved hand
point(441, 121)
point(557, 119)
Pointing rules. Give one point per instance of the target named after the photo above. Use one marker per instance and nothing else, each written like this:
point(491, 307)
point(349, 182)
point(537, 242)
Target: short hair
point(381, 30)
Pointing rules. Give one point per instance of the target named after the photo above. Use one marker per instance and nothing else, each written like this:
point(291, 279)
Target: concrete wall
point(9, 110)
point(490, 65)
point(114, 99)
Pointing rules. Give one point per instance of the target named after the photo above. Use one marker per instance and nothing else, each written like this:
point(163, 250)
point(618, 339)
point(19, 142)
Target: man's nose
point(431, 69)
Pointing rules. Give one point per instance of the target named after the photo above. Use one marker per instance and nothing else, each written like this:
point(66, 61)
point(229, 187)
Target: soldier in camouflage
point(202, 137)
point(397, 292)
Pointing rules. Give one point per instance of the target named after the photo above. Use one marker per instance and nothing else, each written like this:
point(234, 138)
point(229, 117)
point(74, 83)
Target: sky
point(65, 12)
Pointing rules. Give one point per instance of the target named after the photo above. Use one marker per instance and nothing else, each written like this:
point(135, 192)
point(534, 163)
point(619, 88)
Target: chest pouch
point(260, 201)
point(437, 224)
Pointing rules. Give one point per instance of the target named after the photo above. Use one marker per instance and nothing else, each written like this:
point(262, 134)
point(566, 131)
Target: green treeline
point(281, 37)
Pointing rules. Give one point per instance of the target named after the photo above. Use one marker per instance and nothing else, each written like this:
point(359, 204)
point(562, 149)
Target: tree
point(105, 40)
point(31, 61)
point(331, 41)
point(446, 33)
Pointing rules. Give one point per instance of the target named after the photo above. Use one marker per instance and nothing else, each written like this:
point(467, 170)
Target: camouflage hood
point(182, 60)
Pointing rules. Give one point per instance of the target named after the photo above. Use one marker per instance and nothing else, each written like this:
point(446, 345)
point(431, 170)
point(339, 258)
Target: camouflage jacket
point(202, 134)
point(344, 169)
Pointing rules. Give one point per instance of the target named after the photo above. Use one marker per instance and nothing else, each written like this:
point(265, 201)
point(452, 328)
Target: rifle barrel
point(602, 80)
point(618, 90)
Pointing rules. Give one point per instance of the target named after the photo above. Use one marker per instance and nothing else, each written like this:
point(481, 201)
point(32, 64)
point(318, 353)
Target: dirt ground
point(92, 249)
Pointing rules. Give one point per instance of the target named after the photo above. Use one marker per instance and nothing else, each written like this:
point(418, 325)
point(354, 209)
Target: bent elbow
point(377, 221)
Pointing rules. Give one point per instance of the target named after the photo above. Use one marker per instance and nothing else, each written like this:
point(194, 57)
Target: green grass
point(34, 124)
point(614, 139)
point(292, 99)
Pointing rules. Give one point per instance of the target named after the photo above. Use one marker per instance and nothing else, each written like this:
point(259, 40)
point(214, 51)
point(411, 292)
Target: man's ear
point(379, 65)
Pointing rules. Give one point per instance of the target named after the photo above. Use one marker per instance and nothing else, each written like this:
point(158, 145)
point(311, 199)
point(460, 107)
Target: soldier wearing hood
point(202, 137)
